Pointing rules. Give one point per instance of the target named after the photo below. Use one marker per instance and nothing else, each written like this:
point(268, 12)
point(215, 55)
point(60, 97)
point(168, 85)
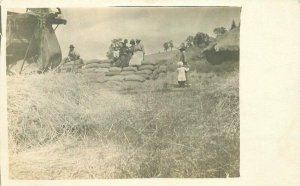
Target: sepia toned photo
point(123, 92)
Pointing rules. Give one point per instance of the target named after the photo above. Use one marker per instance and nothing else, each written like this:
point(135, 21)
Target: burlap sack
point(144, 72)
point(100, 61)
point(147, 67)
point(149, 62)
point(97, 65)
point(112, 73)
point(92, 61)
point(115, 69)
point(101, 70)
point(127, 72)
point(87, 70)
point(129, 69)
point(146, 76)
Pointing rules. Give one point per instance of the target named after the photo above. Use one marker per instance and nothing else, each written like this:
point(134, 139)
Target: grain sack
point(112, 73)
point(87, 70)
point(134, 78)
point(146, 76)
point(129, 69)
point(127, 72)
point(147, 67)
point(97, 65)
point(115, 69)
point(105, 61)
point(148, 62)
point(115, 78)
point(144, 72)
point(102, 70)
point(92, 61)
point(162, 68)
point(156, 72)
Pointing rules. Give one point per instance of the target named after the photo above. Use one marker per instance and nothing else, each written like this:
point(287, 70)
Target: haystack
point(225, 48)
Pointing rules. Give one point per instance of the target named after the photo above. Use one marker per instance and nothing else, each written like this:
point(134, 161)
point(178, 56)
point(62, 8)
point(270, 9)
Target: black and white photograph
point(123, 92)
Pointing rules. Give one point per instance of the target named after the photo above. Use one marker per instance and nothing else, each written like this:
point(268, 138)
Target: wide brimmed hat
point(71, 46)
point(138, 39)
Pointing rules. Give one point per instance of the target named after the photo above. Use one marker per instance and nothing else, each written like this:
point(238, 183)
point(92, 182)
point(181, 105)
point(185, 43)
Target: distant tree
point(189, 41)
point(220, 30)
point(233, 25)
point(171, 45)
point(201, 39)
point(166, 46)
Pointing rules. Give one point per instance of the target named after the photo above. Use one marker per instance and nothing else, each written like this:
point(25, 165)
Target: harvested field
point(70, 128)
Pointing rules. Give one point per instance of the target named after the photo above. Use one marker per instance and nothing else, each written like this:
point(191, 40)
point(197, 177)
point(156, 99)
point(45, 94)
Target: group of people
point(132, 55)
point(123, 55)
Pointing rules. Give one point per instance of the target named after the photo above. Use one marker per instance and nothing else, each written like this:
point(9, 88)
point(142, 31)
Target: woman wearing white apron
point(138, 56)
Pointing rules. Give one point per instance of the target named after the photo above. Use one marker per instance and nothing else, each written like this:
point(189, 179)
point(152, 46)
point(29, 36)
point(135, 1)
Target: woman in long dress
point(138, 55)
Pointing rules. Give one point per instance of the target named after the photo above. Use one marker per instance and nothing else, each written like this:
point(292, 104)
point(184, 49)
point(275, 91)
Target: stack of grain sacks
point(102, 71)
point(97, 65)
point(72, 66)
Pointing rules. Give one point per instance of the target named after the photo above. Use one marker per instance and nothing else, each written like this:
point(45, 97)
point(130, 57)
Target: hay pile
point(225, 48)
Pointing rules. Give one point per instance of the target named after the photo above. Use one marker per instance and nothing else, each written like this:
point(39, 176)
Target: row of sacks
point(72, 66)
point(146, 71)
point(97, 65)
point(101, 71)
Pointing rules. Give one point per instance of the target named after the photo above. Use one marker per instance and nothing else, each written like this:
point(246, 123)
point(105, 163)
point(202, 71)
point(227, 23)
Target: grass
point(63, 127)
point(67, 129)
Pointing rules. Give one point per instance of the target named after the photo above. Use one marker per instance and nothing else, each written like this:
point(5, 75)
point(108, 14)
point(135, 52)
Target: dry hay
point(132, 84)
point(229, 41)
point(64, 161)
point(162, 68)
point(134, 78)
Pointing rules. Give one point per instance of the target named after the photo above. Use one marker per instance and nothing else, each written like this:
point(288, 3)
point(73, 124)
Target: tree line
point(200, 39)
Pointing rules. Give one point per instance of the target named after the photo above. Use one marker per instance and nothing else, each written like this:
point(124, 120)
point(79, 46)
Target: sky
point(92, 29)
